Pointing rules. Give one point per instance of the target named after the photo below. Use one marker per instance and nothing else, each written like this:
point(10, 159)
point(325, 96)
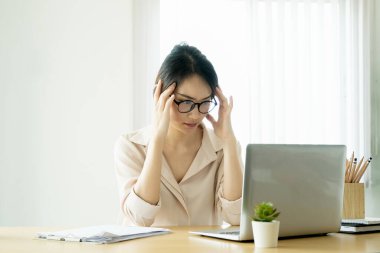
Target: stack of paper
point(103, 234)
point(360, 225)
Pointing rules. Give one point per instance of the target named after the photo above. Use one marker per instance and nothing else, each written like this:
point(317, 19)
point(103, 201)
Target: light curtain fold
point(310, 73)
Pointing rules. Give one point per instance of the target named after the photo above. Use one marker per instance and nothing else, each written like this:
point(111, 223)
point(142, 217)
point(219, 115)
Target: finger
point(157, 91)
point(165, 95)
point(219, 90)
point(210, 118)
point(169, 102)
point(231, 102)
point(225, 104)
point(221, 96)
point(169, 90)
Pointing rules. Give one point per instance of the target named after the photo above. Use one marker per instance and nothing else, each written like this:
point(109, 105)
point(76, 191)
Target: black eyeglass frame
point(196, 104)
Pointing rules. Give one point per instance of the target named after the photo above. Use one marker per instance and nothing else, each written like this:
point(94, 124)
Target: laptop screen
point(304, 182)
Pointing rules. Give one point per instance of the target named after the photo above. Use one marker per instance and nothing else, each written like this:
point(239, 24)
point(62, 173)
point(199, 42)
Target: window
point(295, 68)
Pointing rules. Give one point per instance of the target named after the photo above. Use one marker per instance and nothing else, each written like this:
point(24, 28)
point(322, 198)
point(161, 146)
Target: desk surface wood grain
point(23, 239)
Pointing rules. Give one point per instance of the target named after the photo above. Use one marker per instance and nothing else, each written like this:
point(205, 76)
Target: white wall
point(373, 186)
point(65, 82)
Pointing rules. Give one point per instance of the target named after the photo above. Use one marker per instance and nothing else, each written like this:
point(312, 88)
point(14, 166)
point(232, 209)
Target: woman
point(177, 172)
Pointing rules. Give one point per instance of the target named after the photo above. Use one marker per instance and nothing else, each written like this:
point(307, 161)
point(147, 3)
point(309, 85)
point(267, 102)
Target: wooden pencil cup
point(353, 202)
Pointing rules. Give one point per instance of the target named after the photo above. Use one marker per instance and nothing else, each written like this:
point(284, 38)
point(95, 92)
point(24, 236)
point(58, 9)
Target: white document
point(360, 225)
point(360, 229)
point(103, 234)
point(366, 221)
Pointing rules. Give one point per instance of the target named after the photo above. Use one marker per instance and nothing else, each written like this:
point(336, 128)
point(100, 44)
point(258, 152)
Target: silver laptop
point(304, 182)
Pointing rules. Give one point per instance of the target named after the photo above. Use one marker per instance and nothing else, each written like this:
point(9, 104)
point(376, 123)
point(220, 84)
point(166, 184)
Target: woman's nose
point(195, 114)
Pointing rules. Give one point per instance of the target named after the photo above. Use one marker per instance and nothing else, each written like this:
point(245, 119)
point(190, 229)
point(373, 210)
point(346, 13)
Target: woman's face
point(195, 89)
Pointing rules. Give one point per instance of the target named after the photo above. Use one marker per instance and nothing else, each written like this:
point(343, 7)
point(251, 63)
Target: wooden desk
point(23, 239)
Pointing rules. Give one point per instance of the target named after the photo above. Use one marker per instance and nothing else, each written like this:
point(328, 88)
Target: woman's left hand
point(222, 126)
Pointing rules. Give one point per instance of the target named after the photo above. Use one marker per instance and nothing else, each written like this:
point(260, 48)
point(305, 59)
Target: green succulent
point(266, 212)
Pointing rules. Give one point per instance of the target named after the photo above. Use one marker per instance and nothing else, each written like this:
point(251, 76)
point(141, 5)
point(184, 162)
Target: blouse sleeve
point(231, 210)
point(129, 161)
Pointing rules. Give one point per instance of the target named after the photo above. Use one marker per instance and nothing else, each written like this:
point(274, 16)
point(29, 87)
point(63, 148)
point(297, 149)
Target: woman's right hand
point(163, 102)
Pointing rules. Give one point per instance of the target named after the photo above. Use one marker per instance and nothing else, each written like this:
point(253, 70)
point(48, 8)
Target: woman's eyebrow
point(186, 96)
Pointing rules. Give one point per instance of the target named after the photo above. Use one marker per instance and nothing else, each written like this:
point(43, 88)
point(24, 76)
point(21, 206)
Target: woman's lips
point(191, 125)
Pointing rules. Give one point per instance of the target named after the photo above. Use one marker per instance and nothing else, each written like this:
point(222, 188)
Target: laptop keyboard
point(229, 232)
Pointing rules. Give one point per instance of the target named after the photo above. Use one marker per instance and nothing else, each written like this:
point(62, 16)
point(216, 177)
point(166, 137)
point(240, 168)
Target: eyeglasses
point(203, 107)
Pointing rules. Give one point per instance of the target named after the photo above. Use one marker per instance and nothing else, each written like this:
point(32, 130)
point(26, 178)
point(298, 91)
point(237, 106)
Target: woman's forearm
point(233, 178)
point(147, 186)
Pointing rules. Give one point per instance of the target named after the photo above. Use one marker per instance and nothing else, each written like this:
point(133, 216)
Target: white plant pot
point(265, 234)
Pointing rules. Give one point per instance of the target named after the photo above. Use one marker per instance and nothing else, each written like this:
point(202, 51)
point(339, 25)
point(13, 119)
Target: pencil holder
point(353, 201)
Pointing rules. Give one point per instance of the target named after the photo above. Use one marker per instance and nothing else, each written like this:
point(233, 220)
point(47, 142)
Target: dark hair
point(183, 62)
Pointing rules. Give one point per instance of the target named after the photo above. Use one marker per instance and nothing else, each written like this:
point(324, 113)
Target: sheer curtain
point(297, 69)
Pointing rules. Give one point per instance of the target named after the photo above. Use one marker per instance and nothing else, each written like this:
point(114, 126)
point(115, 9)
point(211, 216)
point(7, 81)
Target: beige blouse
point(196, 200)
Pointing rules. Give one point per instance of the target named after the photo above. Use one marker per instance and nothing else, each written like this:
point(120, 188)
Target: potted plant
point(265, 226)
